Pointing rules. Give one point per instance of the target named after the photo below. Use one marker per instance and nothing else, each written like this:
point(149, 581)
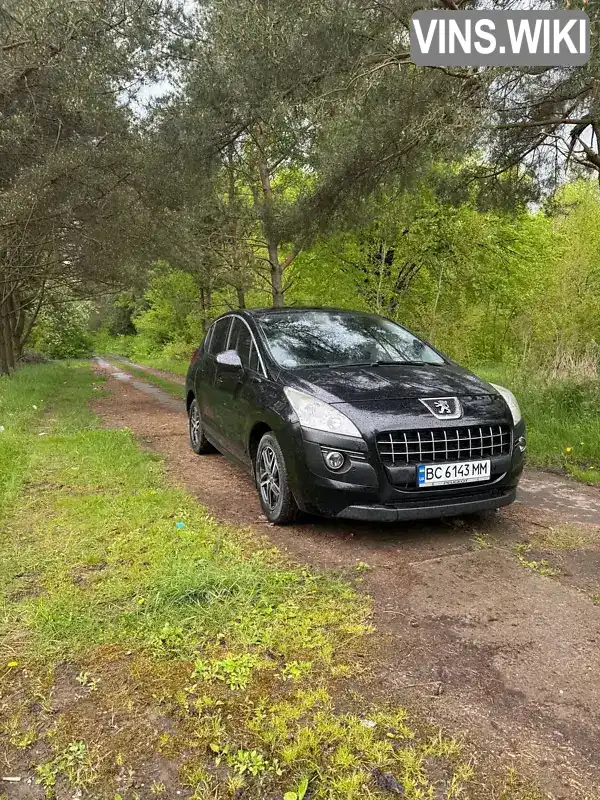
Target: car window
point(240, 340)
point(254, 359)
point(330, 338)
point(206, 341)
point(218, 342)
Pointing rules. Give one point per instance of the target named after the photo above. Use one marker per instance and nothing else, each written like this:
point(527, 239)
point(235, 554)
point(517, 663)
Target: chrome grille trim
point(443, 444)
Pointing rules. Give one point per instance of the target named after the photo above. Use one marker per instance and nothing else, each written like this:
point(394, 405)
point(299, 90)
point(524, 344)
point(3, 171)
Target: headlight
point(511, 402)
point(320, 416)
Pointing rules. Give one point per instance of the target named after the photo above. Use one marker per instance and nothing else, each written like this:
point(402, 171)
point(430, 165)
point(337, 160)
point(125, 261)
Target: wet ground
point(489, 625)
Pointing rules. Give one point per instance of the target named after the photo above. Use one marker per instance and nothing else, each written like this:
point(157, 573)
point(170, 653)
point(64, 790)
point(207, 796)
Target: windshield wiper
point(384, 363)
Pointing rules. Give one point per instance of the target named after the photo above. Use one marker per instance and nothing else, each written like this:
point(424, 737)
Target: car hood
point(391, 382)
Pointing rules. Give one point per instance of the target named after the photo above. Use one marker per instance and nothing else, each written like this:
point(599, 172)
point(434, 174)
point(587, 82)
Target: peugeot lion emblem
point(443, 407)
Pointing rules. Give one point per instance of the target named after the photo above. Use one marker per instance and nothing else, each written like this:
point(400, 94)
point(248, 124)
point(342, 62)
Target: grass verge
point(173, 365)
point(149, 651)
point(171, 387)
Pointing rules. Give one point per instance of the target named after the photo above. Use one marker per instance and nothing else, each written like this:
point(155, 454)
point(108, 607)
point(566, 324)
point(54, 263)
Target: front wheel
point(276, 497)
point(198, 441)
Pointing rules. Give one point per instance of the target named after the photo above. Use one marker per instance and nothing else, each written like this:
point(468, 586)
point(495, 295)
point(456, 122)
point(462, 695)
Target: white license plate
point(457, 472)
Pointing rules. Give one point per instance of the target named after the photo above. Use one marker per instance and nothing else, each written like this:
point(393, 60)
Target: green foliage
point(300, 792)
point(118, 319)
point(167, 320)
point(73, 764)
point(463, 278)
point(172, 314)
point(62, 331)
point(234, 670)
point(71, 218)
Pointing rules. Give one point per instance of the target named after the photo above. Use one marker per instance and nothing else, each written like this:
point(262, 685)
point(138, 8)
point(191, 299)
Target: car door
point(235, 390)
point(206, 375)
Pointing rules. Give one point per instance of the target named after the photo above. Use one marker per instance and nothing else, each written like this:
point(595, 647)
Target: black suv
point(347, 414)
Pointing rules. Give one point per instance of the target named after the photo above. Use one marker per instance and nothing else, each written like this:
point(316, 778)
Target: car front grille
point(443, 444)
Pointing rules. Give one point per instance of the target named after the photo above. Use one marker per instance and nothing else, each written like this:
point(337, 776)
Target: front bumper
point(376, 513)
point(366, 489)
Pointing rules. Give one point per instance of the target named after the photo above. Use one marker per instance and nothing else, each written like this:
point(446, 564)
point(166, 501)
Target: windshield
point(329, 338)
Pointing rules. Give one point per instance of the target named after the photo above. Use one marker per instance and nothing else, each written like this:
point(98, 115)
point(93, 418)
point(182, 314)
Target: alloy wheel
point(195, 425)
point(270, 482)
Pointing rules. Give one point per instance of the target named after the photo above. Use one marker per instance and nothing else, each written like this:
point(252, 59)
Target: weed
point(541, 567)
point(482, 541)
point(523, 547)
point(85, 679)
point(21, 739)
point(243, 762)
point(563, 538)
point(234, 670)
point(295, 670)
point(169, 639)
point(514, 788)
point(73, 763)
point(299, 792)
point(462, 776)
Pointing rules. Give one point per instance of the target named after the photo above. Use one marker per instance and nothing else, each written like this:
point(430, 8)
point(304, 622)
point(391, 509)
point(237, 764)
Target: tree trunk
point(435, 305)
point(4, 370)
point(7, 338)
point(17, 323)
point(268, 220)
point(28, 328)
point(276, 276)
point(205, 305)
point(238, 273)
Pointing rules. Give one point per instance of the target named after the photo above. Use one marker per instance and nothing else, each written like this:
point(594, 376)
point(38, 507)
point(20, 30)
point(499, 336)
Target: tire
point(198, 441)
point(272, 482)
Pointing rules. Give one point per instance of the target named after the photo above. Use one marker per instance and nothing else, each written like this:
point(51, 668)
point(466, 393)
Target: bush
point(179, 351)
point(105, 343)
point(172, 315)
point(62, 331)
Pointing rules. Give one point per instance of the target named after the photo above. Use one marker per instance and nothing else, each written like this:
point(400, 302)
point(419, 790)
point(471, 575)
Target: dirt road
point(490, 626)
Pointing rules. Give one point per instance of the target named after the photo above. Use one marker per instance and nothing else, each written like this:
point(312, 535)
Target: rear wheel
point(276, 497)
point(198, 441)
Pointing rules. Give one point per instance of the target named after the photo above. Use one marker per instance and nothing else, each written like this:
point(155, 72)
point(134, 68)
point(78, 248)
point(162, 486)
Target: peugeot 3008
point(347, 414)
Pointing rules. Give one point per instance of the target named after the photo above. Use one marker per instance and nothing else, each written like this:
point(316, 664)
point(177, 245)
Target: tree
point(66, 150)
point(363, 115)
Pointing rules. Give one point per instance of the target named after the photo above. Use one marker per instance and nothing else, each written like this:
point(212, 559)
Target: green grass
point(138, 632)
point(175, 366)
point(171, 387)
point(132, 347)
point(562, 417)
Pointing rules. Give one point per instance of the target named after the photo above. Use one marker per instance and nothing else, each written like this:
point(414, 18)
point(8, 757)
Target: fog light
point(522, 443)
point(334, 460)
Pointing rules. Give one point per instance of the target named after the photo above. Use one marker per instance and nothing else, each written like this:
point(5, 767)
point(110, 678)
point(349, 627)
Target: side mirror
point(229, 358)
